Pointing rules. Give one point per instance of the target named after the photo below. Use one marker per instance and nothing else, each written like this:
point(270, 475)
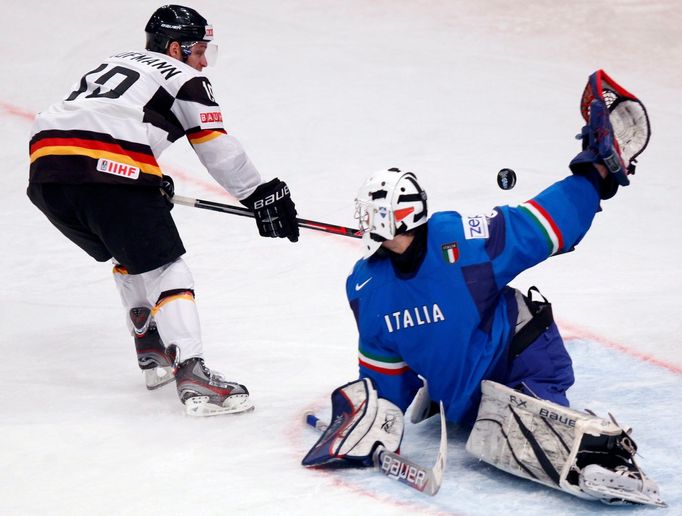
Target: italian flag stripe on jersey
point(383, 365)
point(546, 224)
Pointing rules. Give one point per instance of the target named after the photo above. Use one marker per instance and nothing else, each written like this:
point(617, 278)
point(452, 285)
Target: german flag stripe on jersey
point(381, 364)
point(546, 224)
point(204, 136)
point(186, 295)
point(48, 144)
point(120, 269)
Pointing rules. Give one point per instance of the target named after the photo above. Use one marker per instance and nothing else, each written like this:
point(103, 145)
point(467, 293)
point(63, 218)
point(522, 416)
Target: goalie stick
point(402, 469)
point(245, 212)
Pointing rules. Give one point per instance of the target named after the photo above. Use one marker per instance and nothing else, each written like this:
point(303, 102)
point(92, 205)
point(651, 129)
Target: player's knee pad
point(361, 422)
point(545, 442)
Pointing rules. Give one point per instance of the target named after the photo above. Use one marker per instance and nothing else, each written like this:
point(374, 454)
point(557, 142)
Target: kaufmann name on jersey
point(415, 316)
point(120, 116)
point(167, 69)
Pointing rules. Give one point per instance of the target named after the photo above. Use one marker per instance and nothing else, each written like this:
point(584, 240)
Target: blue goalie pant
point(543, 370)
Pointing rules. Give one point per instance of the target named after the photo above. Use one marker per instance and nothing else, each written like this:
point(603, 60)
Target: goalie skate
point(622, 486)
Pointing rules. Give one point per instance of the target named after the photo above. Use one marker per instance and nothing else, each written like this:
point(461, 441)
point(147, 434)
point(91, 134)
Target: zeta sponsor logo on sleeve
point(207, 118)
point(118, 169)
point(475, 227)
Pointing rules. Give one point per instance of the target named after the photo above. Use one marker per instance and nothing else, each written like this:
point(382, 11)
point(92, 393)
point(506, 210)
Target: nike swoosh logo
point(359, 286)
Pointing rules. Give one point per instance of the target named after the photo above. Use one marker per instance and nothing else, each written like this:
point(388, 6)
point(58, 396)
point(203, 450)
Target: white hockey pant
point(168, 292)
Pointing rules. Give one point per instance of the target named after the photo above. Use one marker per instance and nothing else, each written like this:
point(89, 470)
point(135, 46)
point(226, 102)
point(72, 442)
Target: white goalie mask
point(390, 203)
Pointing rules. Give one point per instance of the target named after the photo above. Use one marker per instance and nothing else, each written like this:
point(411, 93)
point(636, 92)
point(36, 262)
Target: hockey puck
point(506, 179)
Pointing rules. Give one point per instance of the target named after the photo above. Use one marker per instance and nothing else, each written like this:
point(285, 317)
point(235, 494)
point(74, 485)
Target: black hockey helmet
point(176, 23)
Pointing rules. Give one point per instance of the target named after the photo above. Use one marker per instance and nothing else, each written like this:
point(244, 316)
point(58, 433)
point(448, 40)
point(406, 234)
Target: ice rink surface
point(322, 93)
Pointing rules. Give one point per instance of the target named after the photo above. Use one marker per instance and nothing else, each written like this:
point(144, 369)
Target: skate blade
point(158, 377)
point(608, 491)
point(199, 406)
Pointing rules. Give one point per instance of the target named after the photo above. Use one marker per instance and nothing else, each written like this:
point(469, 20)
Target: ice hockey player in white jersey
point(94, 174)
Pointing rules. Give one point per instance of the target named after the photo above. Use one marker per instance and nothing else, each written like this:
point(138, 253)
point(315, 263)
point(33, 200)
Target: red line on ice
point(569, 331)
point(16, 111)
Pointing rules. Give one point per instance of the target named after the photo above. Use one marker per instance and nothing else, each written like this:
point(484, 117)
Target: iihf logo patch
point(118, 169)
point(450, 252)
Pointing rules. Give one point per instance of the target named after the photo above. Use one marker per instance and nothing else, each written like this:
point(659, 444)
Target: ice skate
point(152, 356)
point(207, 393)
point(620, 486)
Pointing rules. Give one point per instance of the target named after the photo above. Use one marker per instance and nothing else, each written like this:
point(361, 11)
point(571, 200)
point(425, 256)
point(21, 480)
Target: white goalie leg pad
point(531, 438)
point(554, 445)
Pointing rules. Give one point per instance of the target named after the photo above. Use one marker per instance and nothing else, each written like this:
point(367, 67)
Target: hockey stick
point(397, 467)
point(245, 212)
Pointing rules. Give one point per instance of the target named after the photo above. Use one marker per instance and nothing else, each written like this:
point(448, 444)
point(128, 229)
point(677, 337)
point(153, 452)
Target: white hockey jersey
point(120, 117)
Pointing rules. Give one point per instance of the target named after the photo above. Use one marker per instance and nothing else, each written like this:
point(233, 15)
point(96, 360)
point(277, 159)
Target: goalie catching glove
point(274, 211)
point(361, 424)
point(617, 131)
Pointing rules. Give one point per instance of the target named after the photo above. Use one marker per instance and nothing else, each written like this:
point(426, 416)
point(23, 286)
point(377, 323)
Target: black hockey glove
point(168, 189)
point(274, 210)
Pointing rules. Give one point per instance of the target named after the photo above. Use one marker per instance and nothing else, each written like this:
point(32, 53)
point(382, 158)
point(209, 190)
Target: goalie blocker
point(579, 453)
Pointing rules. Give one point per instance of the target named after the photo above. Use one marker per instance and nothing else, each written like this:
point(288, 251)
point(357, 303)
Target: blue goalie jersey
point(452, 320)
